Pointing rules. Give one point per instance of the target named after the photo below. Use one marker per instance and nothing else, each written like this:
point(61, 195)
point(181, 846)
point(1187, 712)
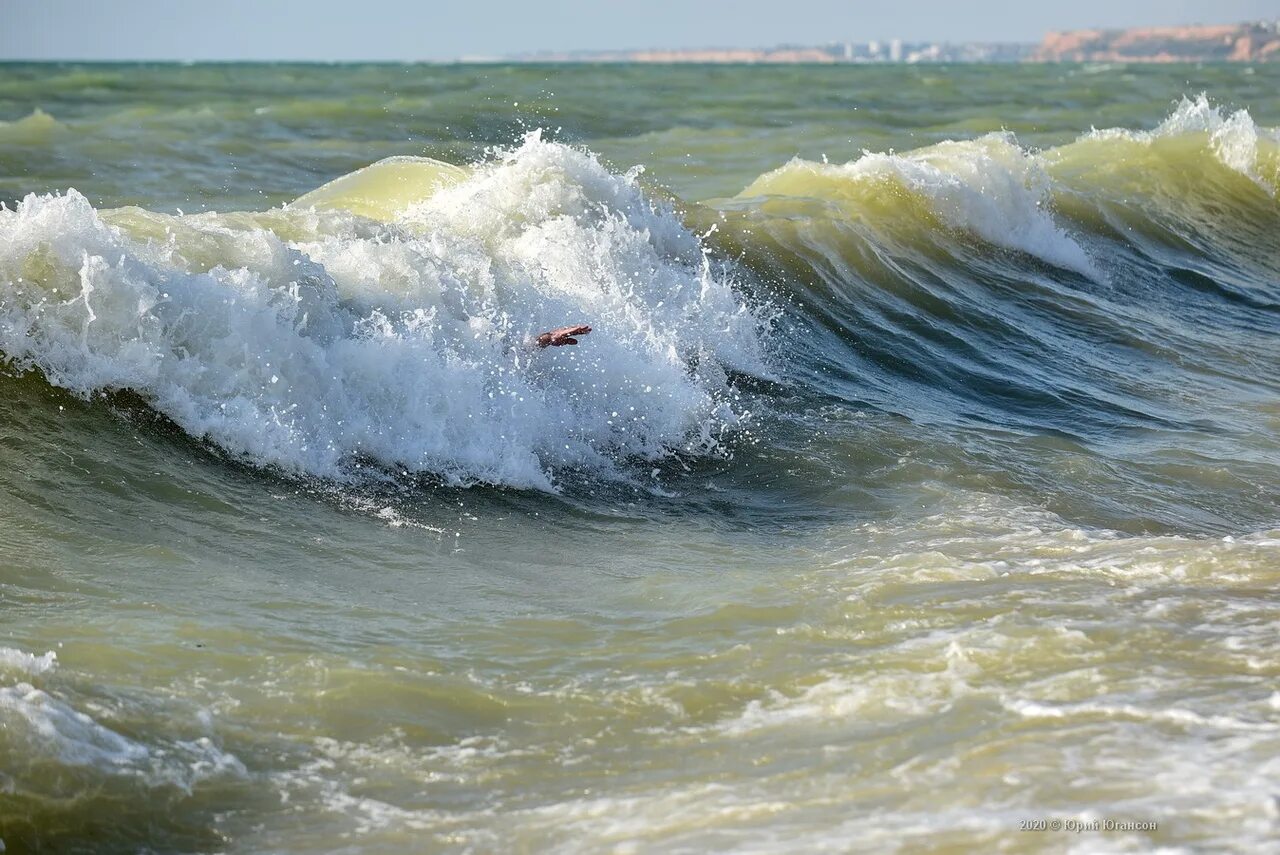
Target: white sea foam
point(1186, 718)
point(317, 342)
point(892, 695)
point(40, 728)
point(989, 186)
point(1233, 137)
point(27, 663)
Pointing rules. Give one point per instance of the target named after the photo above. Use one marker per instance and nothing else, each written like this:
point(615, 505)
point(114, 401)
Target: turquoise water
point(918, 482)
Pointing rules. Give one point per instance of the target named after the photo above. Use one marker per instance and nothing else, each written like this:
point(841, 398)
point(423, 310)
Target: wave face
point(988, 186)
point(1047, 204)
point(1116, 293)
point(324, 342)
point(1097, 291)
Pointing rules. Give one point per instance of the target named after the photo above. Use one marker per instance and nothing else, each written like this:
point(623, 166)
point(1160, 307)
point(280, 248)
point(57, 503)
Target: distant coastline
point(1253, 41)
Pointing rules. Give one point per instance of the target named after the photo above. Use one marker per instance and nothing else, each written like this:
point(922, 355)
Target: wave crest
point(989, 186)
point(1233, 139)
point(320, 341)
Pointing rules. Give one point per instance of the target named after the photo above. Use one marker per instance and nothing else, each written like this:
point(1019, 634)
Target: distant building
point(1256, 41)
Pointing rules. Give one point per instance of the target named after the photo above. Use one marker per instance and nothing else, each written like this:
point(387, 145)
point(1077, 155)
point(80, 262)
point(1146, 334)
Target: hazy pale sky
point(421, 29)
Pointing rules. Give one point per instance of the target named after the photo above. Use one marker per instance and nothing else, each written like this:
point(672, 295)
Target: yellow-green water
point(908, 493)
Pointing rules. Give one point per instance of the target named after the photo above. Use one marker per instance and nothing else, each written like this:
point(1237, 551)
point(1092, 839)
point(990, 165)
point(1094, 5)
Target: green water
point(924, 498)
point(228, 137)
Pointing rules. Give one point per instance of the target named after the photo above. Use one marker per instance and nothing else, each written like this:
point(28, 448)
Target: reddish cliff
point(1253, 42)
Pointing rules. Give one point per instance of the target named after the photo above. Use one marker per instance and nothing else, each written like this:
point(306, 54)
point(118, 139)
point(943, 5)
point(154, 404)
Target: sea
point(917, 488)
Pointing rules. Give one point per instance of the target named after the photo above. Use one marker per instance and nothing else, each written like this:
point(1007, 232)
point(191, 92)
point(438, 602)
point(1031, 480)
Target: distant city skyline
point(399, 30)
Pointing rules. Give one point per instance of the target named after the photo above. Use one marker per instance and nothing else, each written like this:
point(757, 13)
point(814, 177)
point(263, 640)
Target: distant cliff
point(1252, 42)
point(1258, 41)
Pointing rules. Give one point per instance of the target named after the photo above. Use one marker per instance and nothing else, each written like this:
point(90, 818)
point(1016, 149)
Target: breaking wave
point(382, 324)
point(324, 342)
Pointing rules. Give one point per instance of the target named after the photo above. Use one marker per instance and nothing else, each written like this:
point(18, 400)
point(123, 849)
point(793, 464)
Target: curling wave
point(380, 323)
point(326, 342)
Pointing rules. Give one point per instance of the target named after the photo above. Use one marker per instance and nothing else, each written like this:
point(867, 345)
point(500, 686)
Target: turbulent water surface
point(919, 482)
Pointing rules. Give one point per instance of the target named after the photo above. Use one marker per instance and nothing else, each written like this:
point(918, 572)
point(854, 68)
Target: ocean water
point(917, 489)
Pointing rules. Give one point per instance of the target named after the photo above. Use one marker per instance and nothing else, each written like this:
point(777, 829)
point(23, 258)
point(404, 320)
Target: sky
point(338, 30)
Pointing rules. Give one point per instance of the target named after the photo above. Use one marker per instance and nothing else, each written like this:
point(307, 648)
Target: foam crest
point(38, 729)
point(12, 660)
point(1233, 138)
point(320, 341)
point(47, 744)
point(989, 186)
point(1175, 716)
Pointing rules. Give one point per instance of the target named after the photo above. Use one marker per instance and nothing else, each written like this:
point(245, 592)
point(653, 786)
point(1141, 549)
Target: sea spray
point(1232, 138)
point(332, 343)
